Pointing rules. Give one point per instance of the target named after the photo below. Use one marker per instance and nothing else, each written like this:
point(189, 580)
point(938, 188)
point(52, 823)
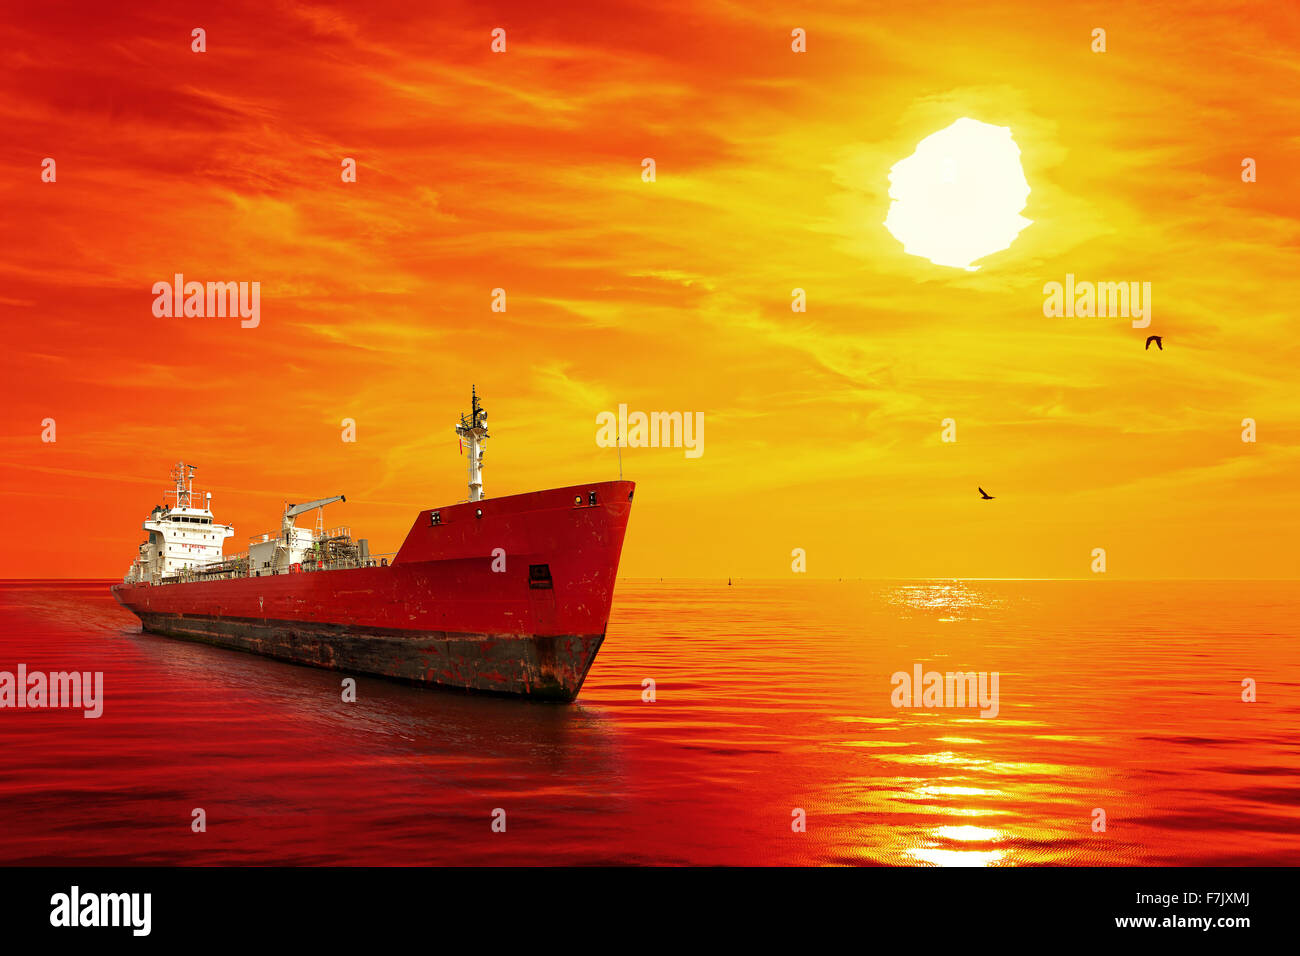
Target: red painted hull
point(438, 614)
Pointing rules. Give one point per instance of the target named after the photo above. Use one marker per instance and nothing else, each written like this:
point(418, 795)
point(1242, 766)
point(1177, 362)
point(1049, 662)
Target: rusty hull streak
point(539, 667)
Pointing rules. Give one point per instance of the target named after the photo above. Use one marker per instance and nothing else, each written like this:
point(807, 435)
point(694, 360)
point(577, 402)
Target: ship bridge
point(182, 537)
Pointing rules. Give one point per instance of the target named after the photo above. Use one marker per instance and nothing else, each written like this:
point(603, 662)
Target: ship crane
point(292, 511)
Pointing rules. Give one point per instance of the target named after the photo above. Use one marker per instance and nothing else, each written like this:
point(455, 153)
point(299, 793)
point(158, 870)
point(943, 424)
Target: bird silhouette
point(986, 496)
point(1155, 339)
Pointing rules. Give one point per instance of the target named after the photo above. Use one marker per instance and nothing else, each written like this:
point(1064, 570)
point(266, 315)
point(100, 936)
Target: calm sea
point(771, 697)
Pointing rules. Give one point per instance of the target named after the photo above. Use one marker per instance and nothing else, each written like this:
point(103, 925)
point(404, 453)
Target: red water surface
point(770, 697)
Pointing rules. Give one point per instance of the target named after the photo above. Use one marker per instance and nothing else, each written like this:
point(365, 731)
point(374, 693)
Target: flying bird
point(1155, 339)
point(986, 496)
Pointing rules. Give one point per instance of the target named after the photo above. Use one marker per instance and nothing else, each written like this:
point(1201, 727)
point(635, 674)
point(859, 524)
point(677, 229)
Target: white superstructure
point(274, 555)
point(181, 537)
point(185, 543)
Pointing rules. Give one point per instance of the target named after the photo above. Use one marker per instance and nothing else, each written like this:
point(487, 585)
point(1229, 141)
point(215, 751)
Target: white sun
point(958, 197)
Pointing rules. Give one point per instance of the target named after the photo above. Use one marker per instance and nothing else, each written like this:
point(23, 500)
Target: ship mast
point(183, 476)
point(473, 433)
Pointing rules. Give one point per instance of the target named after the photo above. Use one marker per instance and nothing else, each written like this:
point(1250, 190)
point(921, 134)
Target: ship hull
point(544, 667)
point(507, 596)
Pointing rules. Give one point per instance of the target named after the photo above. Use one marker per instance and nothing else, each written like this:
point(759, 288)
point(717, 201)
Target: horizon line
point(792, 578)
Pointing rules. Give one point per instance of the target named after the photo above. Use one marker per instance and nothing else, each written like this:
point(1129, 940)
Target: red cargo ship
point(506, 595)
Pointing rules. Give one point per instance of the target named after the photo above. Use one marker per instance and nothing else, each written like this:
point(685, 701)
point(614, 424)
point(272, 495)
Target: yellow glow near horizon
point(958, 197)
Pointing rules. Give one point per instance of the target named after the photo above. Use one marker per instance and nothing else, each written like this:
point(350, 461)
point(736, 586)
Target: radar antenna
point(183, 477)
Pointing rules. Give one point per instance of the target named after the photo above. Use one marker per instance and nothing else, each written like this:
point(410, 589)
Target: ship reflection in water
point(770, 697)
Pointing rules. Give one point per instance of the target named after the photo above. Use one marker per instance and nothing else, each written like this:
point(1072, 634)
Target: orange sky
point(523, 171)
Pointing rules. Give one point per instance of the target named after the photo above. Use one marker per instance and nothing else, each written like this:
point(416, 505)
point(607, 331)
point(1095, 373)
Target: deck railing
point(237, 567)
